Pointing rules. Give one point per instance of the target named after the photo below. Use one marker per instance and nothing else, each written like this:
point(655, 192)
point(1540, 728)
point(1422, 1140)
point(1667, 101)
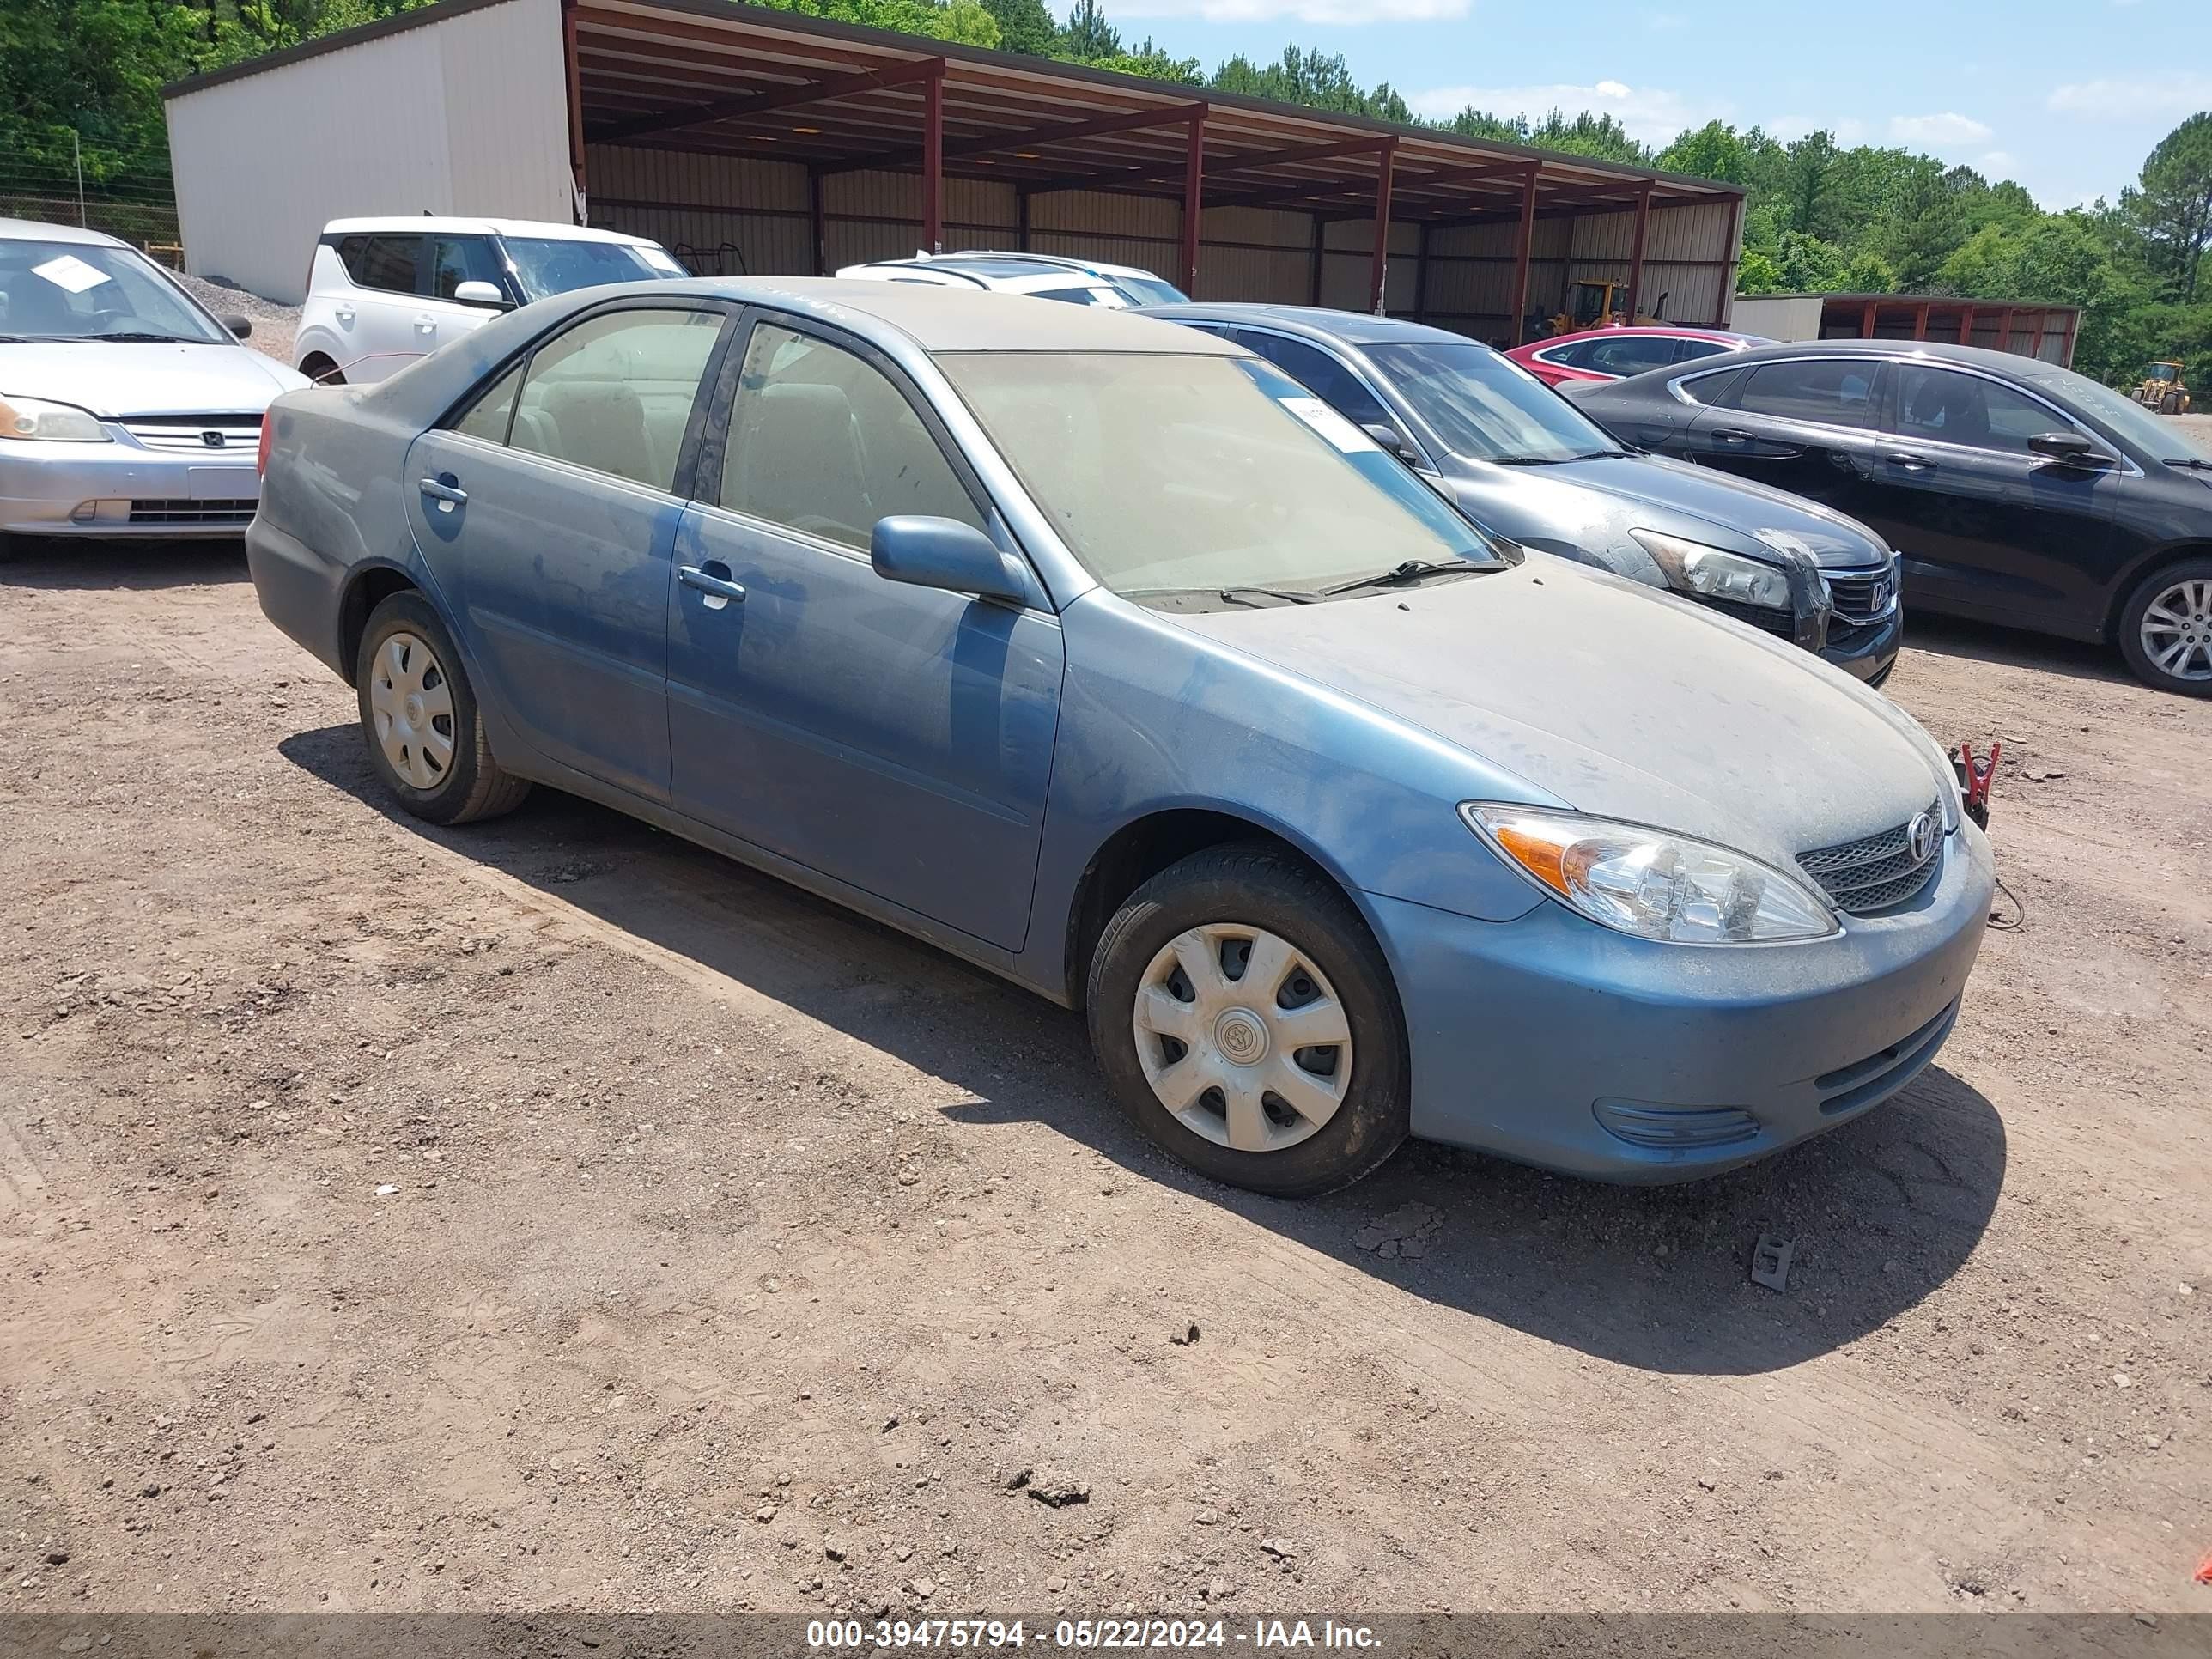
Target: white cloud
point(1790, 128)
point(1948, 131)
point(1995, 163)
point(1652, 115)
point(2126, 99)
point(1304, 11)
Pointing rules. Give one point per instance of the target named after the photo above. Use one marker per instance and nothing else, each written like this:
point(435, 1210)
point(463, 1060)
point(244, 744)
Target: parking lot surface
point(550, 1213)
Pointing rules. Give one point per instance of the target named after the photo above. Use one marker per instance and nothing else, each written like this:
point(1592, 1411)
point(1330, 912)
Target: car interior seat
point(601, 425)
point(797, 461)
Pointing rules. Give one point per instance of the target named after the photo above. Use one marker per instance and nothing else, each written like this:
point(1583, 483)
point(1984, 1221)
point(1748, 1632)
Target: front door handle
point(714, 581)
point(1910, 463)
point(1730, 435)
point(448, 496)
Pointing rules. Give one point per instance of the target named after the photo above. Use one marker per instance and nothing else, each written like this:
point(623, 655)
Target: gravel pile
point(274, 325)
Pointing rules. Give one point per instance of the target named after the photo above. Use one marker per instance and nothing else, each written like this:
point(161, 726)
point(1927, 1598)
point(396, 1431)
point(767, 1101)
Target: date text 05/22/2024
point(834, 1634)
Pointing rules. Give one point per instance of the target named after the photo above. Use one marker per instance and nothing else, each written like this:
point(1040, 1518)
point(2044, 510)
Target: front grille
point(1875, 873)
point(233, 512)
point(1863, 599)
point(1758, 616)
point(182, 432)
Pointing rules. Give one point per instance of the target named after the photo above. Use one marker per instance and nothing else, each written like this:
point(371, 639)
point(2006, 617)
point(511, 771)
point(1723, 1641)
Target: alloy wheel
point(1242, 1037)
point(2177, 630)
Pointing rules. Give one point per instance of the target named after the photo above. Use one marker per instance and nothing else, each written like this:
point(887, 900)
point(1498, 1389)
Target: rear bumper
point(1557, 1043)
point(107, 490)
point(300, 592)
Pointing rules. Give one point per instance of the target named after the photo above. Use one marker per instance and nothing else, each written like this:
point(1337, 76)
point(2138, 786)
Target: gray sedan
point(1524, 464)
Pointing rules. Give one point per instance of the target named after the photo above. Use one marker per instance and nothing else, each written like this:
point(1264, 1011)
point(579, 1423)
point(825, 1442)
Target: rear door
point(1984, 524)
point(1808, 425)
point(897, 738)
point(387, 272)
point(549, 507)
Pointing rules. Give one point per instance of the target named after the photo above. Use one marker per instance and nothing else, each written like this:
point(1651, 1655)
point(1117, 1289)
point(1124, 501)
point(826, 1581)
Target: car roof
point(35, 230)
point(1353, 328)
point(993, 261)
point(429, 224)
point(959, 319)
point(1667, 331)
point(2007, 363)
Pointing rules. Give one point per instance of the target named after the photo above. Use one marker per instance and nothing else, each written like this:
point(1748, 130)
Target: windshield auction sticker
point(1330, 424)
point(71, 273)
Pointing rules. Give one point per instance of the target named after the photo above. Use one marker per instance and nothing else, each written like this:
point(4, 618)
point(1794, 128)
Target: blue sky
point(2066, 97)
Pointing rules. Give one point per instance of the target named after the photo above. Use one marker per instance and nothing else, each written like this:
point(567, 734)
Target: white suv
point(384, 292)
point(1041, 276)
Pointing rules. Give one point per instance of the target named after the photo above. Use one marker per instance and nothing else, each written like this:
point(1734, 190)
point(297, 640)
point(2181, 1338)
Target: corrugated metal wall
point(470, 116)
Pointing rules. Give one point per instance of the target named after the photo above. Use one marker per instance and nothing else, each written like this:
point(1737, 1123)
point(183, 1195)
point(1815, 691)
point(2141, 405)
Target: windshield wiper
point(2189, 460)
point(1239, 595)
point(1404, 572)
point(148, 340)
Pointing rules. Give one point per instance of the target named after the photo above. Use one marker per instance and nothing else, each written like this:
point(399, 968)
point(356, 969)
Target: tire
point(2170, 404)
point(2171, 611)
point(1227, 909)
point(322, 370)
point(414, 693)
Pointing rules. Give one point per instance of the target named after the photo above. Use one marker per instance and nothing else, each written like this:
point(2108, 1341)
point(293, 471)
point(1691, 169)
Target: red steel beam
point(1194, 197)
point(1966, 324)
point(1244, 163)
point(1636, 250)
point(1379, 269)
point(1866, 320)
point(1524, 245)
point(1319, 253)
point(817, 223)
point(1033, 137)
point(761, 103)
point(1920, 322)
point(932, 158)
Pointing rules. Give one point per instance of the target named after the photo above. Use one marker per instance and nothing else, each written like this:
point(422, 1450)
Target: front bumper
point(119, 490)
point(1554, 1041)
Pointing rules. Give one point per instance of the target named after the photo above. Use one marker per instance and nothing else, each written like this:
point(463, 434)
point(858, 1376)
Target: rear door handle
point(719, 588)
point(345, 314)
point(1730, 435)
point(448, 496)
point(425, 325)
point(1910, 463)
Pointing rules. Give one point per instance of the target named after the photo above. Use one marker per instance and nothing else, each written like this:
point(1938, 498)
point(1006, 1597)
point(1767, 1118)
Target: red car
point(1614, 354)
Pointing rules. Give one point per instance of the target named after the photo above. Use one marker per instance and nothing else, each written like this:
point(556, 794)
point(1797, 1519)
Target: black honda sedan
point(2014, 491)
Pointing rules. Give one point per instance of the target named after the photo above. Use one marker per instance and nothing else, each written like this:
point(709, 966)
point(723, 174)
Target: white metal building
point(762, 141)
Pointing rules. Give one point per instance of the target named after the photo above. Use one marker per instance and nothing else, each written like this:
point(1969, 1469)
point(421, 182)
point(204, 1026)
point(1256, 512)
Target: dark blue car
point(1101, 654)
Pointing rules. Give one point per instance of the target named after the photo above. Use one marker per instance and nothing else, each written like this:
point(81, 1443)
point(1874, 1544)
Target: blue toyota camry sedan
point(1099, 652)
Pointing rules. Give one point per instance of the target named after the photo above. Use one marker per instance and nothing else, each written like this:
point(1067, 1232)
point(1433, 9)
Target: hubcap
point(2176, 631)
point(412, 707)
point(1242, 1037)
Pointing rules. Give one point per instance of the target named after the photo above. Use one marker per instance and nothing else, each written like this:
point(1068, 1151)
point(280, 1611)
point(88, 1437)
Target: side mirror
point(1393, 441)
point(2069, 449)
point(486, 295)
point(943, 553)
point(241, 328)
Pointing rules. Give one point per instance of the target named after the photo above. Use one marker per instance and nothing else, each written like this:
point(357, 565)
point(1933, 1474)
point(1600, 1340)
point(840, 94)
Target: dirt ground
point(552, 1214)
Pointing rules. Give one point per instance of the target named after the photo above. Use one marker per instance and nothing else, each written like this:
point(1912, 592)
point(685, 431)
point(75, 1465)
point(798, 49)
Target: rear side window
point(614, 393)
point(1321, 373)
point(1693, 350)
point(1828, 390)
point(1576, 354)
point(489, 417)
point(821, 442)
point(1711, 388)
point(458, 260)
point(388, 262)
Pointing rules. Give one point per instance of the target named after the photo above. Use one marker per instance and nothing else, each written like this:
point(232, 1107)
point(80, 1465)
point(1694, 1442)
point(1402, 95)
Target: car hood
point(1617, 702)
point(1586, 509)
point(123, 380)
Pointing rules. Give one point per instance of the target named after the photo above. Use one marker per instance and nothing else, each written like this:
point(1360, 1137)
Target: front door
point(1985, 526)
point(897, 738)
point(549, 510)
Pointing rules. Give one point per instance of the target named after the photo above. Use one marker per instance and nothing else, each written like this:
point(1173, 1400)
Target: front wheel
point(418, 713)
point(2166, 629)
point(1249, 1024)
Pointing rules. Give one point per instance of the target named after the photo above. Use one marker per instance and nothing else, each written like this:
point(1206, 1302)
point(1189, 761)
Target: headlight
point(1711, 574)
point(53, 424)
point(1651, 883)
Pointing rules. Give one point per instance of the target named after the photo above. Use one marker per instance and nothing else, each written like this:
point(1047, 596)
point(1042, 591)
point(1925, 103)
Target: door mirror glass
point(943, 553)
point(486, 295)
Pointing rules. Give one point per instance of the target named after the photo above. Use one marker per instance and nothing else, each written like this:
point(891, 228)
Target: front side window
point(1150, 291)
point(1486, 407)
point(1941, 405)
point(821, 442)
point(87, 291)
point(457, 259)
point(1338, 386)
point(1178, 476)
point(614, 393)
point(1827, 391)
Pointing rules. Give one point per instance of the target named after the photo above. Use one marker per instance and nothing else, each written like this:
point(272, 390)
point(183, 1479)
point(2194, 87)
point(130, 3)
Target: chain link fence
point(141, 208)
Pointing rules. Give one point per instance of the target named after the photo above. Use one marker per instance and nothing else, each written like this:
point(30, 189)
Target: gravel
point(274, 324)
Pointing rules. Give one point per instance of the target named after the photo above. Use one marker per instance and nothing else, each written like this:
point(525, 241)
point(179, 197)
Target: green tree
point(1024, 25)
point(1711, 151)
point(2172, 205)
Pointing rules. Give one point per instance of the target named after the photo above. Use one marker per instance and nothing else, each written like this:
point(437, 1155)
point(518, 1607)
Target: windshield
point(84, 291)
point(1150, 291)
point(557, 264)
point(1485, 407)
point(1187, 475)
point(2156, 436)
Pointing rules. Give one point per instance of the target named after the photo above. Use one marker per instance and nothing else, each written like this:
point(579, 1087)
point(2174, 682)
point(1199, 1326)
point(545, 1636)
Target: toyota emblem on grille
point(212, 439)
point(1921, 837)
